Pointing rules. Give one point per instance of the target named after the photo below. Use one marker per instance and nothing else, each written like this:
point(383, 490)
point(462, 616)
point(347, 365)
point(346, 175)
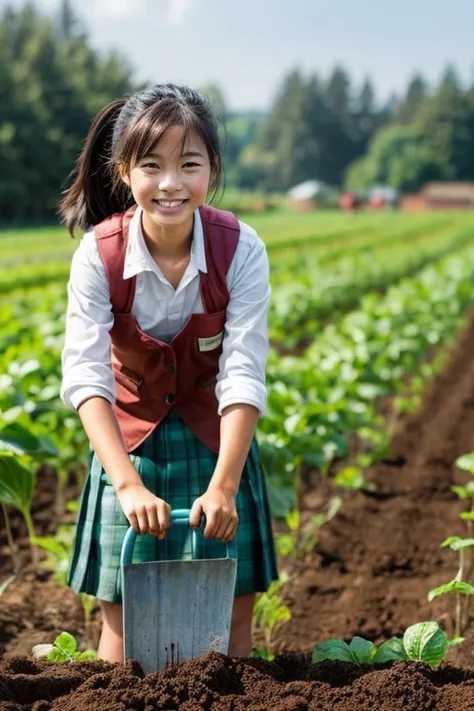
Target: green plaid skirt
point(177, 467)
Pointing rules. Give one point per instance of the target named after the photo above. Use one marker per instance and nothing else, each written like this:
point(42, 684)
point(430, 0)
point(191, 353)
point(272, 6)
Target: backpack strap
point(112, 240)
point(221, 237)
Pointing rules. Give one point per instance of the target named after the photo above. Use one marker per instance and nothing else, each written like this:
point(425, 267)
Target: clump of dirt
point(217, 683)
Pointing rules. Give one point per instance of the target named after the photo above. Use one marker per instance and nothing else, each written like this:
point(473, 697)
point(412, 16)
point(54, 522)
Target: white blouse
point(162, 311)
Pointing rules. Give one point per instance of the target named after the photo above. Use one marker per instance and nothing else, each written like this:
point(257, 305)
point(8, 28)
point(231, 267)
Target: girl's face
point(172, 180)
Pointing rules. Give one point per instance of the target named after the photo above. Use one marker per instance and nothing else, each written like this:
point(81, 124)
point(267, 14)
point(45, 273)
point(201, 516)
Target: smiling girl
point(165, 353)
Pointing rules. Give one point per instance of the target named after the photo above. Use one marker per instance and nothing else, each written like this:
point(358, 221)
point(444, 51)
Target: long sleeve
point(86, 363)
point(241, 377)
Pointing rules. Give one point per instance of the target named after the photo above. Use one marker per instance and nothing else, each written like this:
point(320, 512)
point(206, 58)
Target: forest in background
point(327, 128)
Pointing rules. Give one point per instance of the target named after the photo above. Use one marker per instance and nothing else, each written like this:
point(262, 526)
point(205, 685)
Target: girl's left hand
point(221, 515)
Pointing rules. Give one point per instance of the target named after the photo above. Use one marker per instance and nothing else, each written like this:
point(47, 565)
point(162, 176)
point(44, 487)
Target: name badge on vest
point(210, 344)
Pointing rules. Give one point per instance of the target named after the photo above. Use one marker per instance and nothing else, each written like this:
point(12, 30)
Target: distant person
point(165, 352)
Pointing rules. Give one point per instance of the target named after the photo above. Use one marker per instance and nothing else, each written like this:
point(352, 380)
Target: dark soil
point(214, 682)
point(369, 575)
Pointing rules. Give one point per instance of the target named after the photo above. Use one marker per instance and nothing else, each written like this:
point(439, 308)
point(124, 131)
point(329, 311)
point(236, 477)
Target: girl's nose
point(169, 182)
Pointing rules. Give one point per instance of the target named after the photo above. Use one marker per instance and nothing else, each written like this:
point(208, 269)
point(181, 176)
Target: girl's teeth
point(173, 203)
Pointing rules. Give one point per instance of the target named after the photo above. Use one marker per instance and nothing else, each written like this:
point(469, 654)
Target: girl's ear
point(124, 175)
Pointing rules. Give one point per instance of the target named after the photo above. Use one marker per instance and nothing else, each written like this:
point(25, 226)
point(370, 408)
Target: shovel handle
point(179, 517)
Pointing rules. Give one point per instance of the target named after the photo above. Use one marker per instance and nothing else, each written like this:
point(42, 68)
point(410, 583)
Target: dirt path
point(377, 560)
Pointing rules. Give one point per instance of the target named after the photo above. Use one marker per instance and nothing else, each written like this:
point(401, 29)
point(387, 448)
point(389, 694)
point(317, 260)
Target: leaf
point(452, 586)
point(334, 649)
point(16, 482)
point(390, 651)
point(57, 655)
point(449, 541)
point(262, 654)
point(67, 643)
point(18, 438)
point(285, 544)
point(466, 462)
point(426, 642)
point(47, 446)
point(462, 543)
point(363, 649)
point(87, 654)
point(51, 545)
point(281, 500)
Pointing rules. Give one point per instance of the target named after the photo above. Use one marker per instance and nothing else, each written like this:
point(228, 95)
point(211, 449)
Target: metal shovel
point(176, 610)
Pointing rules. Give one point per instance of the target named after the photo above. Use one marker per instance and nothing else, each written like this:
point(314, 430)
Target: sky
point(247, 46)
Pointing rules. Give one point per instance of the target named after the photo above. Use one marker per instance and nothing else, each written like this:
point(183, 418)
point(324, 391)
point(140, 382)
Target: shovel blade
point(177, 610)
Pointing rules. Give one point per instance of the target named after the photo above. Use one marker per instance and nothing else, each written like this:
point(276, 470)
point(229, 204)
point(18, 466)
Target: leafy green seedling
point(352, 478)
point(269, 613)
point(63, 649)
point(360, 651)
point(462, 589)
point(424, 641)
point(302, 539)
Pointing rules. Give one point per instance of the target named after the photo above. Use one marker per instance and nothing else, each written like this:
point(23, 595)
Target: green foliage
point(52, 84)
point(397, 157)
point(269, 613)
point(64, 649)
point(424, 642)
point(453, 586)
point(301, 540)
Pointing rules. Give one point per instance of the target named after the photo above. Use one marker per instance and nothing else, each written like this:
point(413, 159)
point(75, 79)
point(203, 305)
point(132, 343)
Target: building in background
point(310, 195)
point(440, 196)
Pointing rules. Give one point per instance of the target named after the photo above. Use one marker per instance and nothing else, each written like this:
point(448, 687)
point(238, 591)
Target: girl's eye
point(150, 165)
point(189, 164)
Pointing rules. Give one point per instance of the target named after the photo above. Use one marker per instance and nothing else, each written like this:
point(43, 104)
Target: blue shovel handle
point(179, 517)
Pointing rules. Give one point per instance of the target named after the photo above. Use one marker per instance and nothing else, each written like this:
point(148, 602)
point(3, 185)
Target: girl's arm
point(145, 511)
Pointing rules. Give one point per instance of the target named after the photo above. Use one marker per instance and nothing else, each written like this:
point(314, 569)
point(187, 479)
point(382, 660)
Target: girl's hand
point(221, 515)
point(145, 511)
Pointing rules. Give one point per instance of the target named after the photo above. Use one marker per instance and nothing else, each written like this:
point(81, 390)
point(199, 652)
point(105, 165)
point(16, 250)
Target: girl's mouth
point(170, 204)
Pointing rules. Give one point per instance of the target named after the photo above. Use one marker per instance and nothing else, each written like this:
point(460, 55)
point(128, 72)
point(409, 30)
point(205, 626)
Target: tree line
point(53, 81)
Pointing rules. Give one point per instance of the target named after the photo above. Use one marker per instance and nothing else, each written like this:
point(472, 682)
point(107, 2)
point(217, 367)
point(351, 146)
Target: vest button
point(169, 399)
point(170, 368)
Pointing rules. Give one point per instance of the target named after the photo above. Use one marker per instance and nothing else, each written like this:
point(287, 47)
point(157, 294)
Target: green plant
point(352, 478)
point(424, 642)
point(18, 446)
point(63, 649)
point(463, 590)
point(463, 583)
point(269, 613)
point(301, 540)
point(16, 489)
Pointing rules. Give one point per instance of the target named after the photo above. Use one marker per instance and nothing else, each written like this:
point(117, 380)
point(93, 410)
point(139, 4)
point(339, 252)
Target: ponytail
point(95, 192)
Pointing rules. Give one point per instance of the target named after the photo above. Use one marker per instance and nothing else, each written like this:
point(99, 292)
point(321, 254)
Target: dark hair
point(121, 134)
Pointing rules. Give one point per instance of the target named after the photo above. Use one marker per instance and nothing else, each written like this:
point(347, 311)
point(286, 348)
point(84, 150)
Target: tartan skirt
point(174, 465)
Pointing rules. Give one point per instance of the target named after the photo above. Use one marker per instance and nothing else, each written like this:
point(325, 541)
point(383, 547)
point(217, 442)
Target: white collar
point(138, 258)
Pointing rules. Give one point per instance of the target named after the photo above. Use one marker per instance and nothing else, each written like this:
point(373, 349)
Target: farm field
point(371, 404)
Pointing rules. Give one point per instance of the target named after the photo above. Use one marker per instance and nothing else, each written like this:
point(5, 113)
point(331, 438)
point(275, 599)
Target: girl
point(165, 353)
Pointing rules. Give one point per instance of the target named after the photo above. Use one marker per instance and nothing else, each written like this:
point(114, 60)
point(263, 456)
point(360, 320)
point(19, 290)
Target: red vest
point(152, 377)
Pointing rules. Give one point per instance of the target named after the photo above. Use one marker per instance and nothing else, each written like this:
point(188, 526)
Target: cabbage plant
point(423, 642)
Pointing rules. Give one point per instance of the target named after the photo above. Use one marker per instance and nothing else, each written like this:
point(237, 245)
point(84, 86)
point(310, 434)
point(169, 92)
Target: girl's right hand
point(145, 511)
